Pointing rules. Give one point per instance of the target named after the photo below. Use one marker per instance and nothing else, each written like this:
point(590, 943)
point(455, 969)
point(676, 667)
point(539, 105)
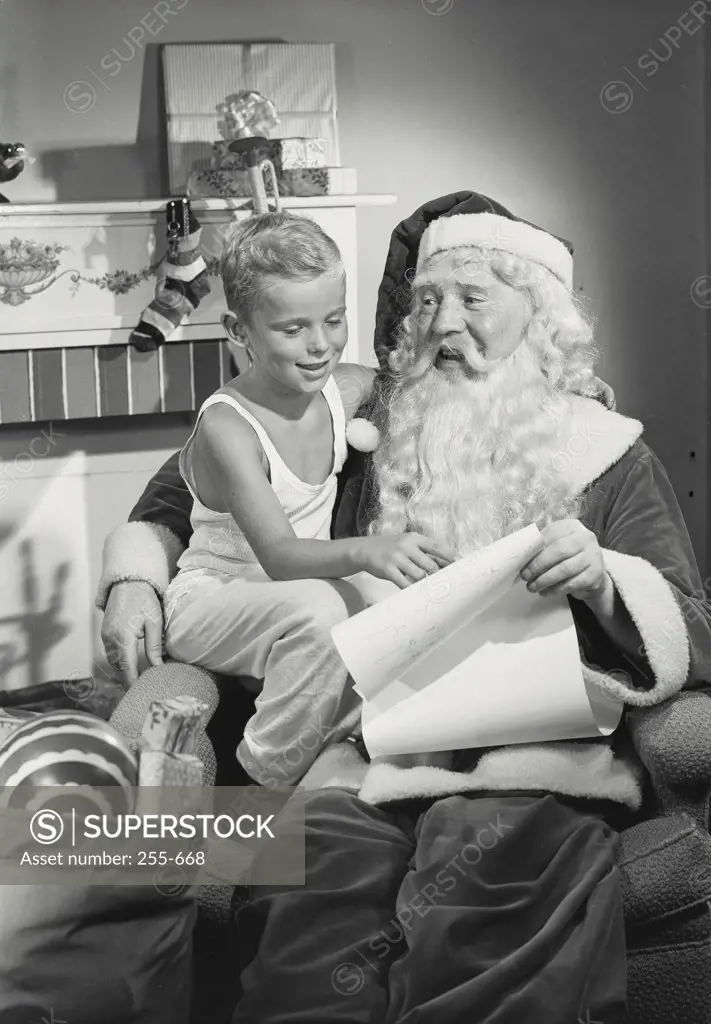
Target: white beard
point(467, 461)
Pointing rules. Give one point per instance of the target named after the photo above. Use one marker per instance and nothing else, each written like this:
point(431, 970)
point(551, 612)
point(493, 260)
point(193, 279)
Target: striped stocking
point(185, 283)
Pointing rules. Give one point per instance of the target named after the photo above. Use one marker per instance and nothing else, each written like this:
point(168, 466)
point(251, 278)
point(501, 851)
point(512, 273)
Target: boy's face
point(298, 330)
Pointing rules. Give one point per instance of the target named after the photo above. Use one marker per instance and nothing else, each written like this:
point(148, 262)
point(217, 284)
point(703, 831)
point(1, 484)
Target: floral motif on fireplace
point(25, 264)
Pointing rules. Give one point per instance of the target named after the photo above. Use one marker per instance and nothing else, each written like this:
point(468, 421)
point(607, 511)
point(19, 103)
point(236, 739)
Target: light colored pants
point(279, 632)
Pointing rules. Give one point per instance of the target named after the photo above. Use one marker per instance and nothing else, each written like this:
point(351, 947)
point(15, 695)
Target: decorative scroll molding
point(25, 263)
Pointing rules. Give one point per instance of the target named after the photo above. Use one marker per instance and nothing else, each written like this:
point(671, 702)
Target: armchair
point(664, 858)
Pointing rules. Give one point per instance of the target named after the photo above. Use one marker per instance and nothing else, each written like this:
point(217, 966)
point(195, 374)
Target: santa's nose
point(448, 320)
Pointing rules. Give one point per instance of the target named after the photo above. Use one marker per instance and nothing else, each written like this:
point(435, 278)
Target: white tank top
point(217, 541)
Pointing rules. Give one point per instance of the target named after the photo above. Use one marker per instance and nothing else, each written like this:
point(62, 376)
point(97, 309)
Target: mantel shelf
point(75, 279)
point(157, 206)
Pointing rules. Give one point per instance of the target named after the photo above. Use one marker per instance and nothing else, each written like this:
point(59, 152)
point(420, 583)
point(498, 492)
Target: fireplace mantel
point(74, 279)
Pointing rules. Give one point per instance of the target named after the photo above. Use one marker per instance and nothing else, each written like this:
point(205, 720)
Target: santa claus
point(480, 885)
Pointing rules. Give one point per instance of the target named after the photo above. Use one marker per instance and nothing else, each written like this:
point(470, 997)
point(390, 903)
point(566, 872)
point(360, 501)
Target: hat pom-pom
point(362, 435)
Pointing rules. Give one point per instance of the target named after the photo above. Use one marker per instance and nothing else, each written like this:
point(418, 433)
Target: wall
point(503, 98)
point(62, 488)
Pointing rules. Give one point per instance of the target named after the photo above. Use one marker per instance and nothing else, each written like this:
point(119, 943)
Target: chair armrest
point(673, 741)
point(173, 679)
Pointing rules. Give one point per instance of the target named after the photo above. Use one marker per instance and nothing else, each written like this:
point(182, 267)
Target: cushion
point(111, 953)
point(115, 954)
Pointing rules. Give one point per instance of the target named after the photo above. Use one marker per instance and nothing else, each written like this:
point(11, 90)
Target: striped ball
point(67, 748)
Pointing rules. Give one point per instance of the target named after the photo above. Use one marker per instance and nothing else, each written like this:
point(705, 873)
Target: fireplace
point(74, 279)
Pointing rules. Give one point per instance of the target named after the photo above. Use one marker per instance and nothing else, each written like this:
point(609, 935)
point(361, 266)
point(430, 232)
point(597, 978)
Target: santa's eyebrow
point(429, 284)
point(420, 283)
point(471, 289)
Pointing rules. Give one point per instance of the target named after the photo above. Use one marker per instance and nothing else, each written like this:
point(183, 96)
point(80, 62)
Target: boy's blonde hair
point(281, 245)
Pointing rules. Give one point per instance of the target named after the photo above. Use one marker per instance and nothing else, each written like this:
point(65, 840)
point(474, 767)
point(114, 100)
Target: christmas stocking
point(185, 283)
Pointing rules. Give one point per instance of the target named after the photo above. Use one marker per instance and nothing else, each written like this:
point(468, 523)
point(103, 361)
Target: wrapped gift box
point(306, 181)
point(299, 79)
point(224, 160)
point(319, 181)
point(285, 154)
point(220, 183)
point(298, 153)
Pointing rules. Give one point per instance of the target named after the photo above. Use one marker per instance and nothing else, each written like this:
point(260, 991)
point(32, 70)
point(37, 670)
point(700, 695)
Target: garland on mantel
point(25, 263)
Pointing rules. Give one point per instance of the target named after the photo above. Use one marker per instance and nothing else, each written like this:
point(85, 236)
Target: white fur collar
point(591, 441)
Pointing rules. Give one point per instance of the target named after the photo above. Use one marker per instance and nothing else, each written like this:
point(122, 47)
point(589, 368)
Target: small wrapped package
point(307, 181)
point(299, 153)
point(223, 184)
point(168, 743)
point(286, 154)
point(223, 159)
point(319, 181)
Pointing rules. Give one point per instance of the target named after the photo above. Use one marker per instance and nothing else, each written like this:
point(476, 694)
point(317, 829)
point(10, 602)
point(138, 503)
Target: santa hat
point(492, 231)
point(459, 219)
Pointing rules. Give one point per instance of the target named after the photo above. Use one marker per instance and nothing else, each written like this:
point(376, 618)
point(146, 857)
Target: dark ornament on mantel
point(13, 159)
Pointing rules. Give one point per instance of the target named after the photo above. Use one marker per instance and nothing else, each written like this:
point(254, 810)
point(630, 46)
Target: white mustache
point(469, 353)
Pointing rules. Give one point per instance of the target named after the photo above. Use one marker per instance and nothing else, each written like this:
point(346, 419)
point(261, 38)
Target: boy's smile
point(298, 330)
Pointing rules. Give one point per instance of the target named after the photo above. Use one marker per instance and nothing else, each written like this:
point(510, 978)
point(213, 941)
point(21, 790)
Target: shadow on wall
point(35, 630)
point(137, 170)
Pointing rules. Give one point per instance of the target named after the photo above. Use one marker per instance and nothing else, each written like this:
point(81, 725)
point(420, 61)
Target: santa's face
point(472, 424)
point(466, 319)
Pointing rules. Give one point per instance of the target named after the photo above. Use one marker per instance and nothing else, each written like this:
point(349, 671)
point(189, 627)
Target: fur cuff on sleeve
point(651, 603)
point(139, 551)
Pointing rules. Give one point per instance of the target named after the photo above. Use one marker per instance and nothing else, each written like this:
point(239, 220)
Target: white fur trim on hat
point(491, 231)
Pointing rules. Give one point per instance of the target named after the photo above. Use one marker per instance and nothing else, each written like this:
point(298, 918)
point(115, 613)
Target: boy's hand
point(403, 559)
point(570, 562)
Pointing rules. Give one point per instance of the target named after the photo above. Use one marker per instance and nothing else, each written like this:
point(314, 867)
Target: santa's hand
point(602, 392)
point(569, 562)
point(133, 613)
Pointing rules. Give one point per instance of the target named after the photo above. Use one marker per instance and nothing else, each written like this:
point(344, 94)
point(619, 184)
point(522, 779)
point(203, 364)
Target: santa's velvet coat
point(630, 506)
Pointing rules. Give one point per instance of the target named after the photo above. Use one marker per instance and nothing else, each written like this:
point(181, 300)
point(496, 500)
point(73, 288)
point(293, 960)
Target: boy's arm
point(148, 546)
point(244, 490)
